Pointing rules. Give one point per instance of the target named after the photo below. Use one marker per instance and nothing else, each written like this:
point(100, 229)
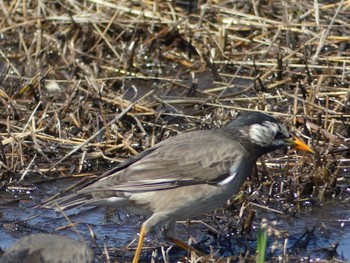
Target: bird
point(47, 248)
point(186, 175)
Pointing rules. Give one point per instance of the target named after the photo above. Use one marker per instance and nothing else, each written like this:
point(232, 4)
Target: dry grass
point(70, 67)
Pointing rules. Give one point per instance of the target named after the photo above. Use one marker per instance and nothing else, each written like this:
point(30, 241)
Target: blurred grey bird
point(48, 248)
point(186, 175)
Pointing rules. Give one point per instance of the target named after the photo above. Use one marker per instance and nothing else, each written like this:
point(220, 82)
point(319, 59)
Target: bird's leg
point(169, 232)
point(186, 247)
point(139, 244)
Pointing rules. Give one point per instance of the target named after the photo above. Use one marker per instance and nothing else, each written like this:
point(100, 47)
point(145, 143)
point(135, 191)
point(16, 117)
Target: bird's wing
point(191, 158)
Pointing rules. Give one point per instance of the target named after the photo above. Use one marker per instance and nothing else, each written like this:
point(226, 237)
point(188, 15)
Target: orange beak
point(299, 144)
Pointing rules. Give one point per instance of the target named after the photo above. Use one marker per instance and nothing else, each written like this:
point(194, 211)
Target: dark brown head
point(260, 133)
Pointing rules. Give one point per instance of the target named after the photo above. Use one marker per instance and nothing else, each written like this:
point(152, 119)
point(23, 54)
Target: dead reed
point(84, 84)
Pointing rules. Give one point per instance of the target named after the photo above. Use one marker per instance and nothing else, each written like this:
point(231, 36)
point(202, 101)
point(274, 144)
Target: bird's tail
point(68, 202)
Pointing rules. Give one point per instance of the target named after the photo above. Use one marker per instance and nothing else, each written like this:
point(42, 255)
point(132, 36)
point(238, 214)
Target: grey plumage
point(194, 158)
point(186, 175)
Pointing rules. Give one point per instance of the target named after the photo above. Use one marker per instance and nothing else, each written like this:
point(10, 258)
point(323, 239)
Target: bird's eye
point(279, 136)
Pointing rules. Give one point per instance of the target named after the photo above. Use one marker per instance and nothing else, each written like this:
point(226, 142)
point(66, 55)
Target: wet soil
point(317, 232)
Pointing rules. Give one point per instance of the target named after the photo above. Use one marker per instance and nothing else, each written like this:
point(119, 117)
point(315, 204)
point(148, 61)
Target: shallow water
point(115, 229)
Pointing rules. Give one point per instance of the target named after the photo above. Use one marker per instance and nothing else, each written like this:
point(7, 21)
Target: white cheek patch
point(263, 134)
point(273, 126)
point(259, 133)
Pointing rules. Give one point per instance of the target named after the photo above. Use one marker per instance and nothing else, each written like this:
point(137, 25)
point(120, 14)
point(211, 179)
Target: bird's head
point(260, 133)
